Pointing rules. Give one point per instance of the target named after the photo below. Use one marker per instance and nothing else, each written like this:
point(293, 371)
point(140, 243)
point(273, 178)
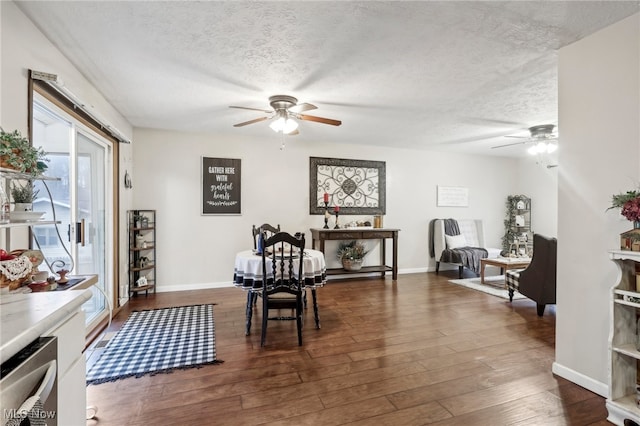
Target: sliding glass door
point(80, 200)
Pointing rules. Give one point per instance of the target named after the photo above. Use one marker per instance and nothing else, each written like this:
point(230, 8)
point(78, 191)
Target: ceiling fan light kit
point(543, 148)
point(283, 123)
point(285, 109)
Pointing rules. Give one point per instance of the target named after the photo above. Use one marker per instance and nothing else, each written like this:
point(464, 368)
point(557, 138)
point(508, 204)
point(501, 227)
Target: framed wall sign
point(356, 186)
point(221, 186)
point(453, 196)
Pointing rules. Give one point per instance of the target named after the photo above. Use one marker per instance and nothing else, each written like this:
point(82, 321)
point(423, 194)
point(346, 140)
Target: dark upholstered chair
point(281, 259)
point(255, 232)
point(538, 280)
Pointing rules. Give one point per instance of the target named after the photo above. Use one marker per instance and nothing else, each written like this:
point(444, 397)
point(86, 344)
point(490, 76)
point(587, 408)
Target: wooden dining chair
point(255, 232)
point(282, 260)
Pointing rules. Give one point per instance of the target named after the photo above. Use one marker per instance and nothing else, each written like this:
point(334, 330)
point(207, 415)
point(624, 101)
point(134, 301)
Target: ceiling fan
point(542, 136)
point(285, 109)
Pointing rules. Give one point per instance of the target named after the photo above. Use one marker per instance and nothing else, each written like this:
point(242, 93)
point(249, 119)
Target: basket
point(352, 264)
point(14, 272)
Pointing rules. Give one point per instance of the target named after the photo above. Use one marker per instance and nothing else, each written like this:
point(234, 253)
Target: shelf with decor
point(142, 251)
point(26, 218)
point(21, 272)
point(624, 342)
point(518, 236)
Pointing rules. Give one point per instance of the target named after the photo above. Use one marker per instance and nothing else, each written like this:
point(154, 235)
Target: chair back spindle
point(256, 230)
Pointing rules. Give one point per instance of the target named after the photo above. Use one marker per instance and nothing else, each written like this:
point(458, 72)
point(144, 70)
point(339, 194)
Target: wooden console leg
point(540, 307)
point(460, 268)
point(437, 267)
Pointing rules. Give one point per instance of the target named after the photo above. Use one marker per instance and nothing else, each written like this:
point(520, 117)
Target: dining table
point(248, 275)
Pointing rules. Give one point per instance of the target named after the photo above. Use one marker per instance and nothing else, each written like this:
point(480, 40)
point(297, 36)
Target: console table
point(321, 235)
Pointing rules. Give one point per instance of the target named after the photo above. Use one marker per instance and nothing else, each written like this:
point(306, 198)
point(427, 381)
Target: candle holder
point(326, 216)
point(336, 227)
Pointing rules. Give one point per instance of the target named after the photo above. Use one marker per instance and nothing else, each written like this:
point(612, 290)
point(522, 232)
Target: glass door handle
point(80, 234)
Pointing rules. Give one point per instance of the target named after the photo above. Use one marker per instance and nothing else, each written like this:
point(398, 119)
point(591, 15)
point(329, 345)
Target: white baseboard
point(413, 270)
point(195, 286)
point(203, 286)
point(580, 379)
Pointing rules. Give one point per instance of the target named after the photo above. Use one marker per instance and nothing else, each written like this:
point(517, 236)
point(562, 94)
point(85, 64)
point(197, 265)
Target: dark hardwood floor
point(413, 352)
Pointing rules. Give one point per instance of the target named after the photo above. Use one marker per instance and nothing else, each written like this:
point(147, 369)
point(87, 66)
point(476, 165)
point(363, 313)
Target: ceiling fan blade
point(252, 109)
point(510, 144)
point(302, 107)
point(256, 120)
point(517, 137)
point(319, 119)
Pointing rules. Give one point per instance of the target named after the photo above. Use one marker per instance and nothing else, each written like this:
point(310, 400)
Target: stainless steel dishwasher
point(29, 385)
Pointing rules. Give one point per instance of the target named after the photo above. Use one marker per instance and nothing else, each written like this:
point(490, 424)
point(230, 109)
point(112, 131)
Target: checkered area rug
point(158, 341)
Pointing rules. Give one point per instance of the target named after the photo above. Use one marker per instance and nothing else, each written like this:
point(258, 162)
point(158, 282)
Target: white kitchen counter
point(25, 317)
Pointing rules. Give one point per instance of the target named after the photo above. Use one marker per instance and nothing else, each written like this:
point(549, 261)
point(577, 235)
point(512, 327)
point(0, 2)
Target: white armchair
point(473, 232)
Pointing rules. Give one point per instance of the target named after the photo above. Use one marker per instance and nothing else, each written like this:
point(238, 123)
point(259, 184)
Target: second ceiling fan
point(285, 110)
point(542, 136)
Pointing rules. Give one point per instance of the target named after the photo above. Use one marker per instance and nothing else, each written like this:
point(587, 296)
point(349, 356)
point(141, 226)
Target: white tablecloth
point(247, 272)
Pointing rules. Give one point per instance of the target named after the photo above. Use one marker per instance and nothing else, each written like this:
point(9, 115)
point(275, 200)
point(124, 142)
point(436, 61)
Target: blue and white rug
point(158, 341)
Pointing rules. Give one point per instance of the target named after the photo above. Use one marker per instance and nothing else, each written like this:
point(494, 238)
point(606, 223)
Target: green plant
point(16, 152)
point(352, 250)
point(23, 193)
point(619, 200)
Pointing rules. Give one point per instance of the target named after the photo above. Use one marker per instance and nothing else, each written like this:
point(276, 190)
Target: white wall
point(599, 119)
point(540, 184)
point(24, 47)
point(198, 251)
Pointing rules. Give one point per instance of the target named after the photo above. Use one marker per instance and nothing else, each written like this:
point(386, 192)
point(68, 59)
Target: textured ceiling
point(446, 75)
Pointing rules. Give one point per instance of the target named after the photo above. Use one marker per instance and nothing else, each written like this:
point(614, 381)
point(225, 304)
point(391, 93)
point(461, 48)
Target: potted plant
point(351, 254)
point(23, 196)
point(17, 153)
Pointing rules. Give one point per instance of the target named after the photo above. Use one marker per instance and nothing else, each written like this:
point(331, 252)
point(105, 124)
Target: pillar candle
point(326, 197)
point(337, 208)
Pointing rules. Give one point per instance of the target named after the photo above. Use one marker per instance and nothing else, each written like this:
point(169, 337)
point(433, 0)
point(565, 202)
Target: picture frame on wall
point(357, 187)
point(452, 196)
point(221, 186)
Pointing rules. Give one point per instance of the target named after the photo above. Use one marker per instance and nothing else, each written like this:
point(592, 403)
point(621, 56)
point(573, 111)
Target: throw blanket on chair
point(451, 227)
point(467, 256)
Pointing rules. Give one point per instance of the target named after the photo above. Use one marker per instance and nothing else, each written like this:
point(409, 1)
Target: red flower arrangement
point(631, 209)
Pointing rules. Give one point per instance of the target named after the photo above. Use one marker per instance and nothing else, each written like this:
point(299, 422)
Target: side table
point(382, 234)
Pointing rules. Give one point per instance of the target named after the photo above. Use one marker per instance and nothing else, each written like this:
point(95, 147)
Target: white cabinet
point(623, 334)
point(72, 394)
